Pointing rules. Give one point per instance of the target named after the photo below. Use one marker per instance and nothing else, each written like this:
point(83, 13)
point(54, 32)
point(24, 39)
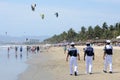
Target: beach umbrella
point(118, 37)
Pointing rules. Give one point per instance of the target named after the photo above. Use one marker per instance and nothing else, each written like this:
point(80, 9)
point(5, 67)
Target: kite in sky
point(42, 16)
point(56, 14)
point(33, 7)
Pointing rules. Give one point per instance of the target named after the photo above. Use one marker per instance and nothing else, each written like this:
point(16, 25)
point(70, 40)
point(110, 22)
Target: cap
point(87, 42)
point(72, 43)
point(108, 41)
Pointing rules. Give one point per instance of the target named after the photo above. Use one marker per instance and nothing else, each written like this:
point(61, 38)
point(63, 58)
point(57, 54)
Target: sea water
point(12, 63)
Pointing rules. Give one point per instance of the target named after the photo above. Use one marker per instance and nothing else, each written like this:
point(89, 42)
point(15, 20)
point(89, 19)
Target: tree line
point(89, 33)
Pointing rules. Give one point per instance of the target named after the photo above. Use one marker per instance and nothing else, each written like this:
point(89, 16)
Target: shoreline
point(36, 61)
point(51, 65)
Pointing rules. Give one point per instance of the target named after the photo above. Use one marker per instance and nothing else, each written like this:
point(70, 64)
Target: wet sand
point(51, 65)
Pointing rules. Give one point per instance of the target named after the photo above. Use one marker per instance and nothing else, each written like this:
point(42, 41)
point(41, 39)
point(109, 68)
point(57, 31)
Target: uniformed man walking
point(74, 54)
point(108, 52)
point(88, 57)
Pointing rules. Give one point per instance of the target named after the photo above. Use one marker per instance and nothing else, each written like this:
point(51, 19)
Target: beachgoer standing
point(16, 48)
point(74, 54)
point(65, 48)
point(108, 52)
point(88, 57)
point(8, 49)
point(21, 49)
point(38, 48)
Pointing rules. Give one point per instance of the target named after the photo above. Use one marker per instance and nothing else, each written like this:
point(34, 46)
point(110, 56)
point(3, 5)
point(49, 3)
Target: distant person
point(38, 49)
point(16, 49)
point(108, 52)
point(27, 48)
point(65, 48)
point(88, 57)
point(8, 49)
point(33, 49)
point(74, 54)
point(21, 49)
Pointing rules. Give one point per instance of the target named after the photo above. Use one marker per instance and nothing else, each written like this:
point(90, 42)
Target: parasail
point(56, 14)
point(33, 7)
point(42, 16)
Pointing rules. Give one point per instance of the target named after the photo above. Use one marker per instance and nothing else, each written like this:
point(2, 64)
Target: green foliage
point(90, 33)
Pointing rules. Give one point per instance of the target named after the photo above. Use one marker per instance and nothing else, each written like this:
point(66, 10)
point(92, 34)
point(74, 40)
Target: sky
point(17, 18)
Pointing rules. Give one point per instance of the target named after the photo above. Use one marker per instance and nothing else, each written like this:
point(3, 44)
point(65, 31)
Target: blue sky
point(17, 19)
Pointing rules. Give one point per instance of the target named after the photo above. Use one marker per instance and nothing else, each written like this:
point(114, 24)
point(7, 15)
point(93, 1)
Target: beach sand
point(51, 65)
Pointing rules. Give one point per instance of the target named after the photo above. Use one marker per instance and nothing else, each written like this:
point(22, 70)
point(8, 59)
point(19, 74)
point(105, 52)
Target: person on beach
point(8, 49)
point(21, 49)
point(16, 48)
point(108, 52)
point(88, 57)
point(74, 54)
point(65, 48)
point(38, 48)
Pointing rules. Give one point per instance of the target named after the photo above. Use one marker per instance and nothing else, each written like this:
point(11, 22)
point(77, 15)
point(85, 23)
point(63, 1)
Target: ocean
point(12, 63)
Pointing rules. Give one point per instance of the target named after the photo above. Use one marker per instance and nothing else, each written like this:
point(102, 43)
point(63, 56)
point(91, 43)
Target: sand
point(51, 65)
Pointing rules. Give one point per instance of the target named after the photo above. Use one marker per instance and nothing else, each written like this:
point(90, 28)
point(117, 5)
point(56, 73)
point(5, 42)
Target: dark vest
point(108, 51)
point(89, 51)
point(72, 52)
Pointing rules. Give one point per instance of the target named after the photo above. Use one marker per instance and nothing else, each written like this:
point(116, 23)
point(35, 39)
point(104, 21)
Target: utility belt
point(90, 55)
point(73, 56)
point(108, 54)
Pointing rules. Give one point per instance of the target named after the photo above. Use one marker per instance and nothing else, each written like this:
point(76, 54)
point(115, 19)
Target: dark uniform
point(88, 57)
point(73, 53)
point(108, 52)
